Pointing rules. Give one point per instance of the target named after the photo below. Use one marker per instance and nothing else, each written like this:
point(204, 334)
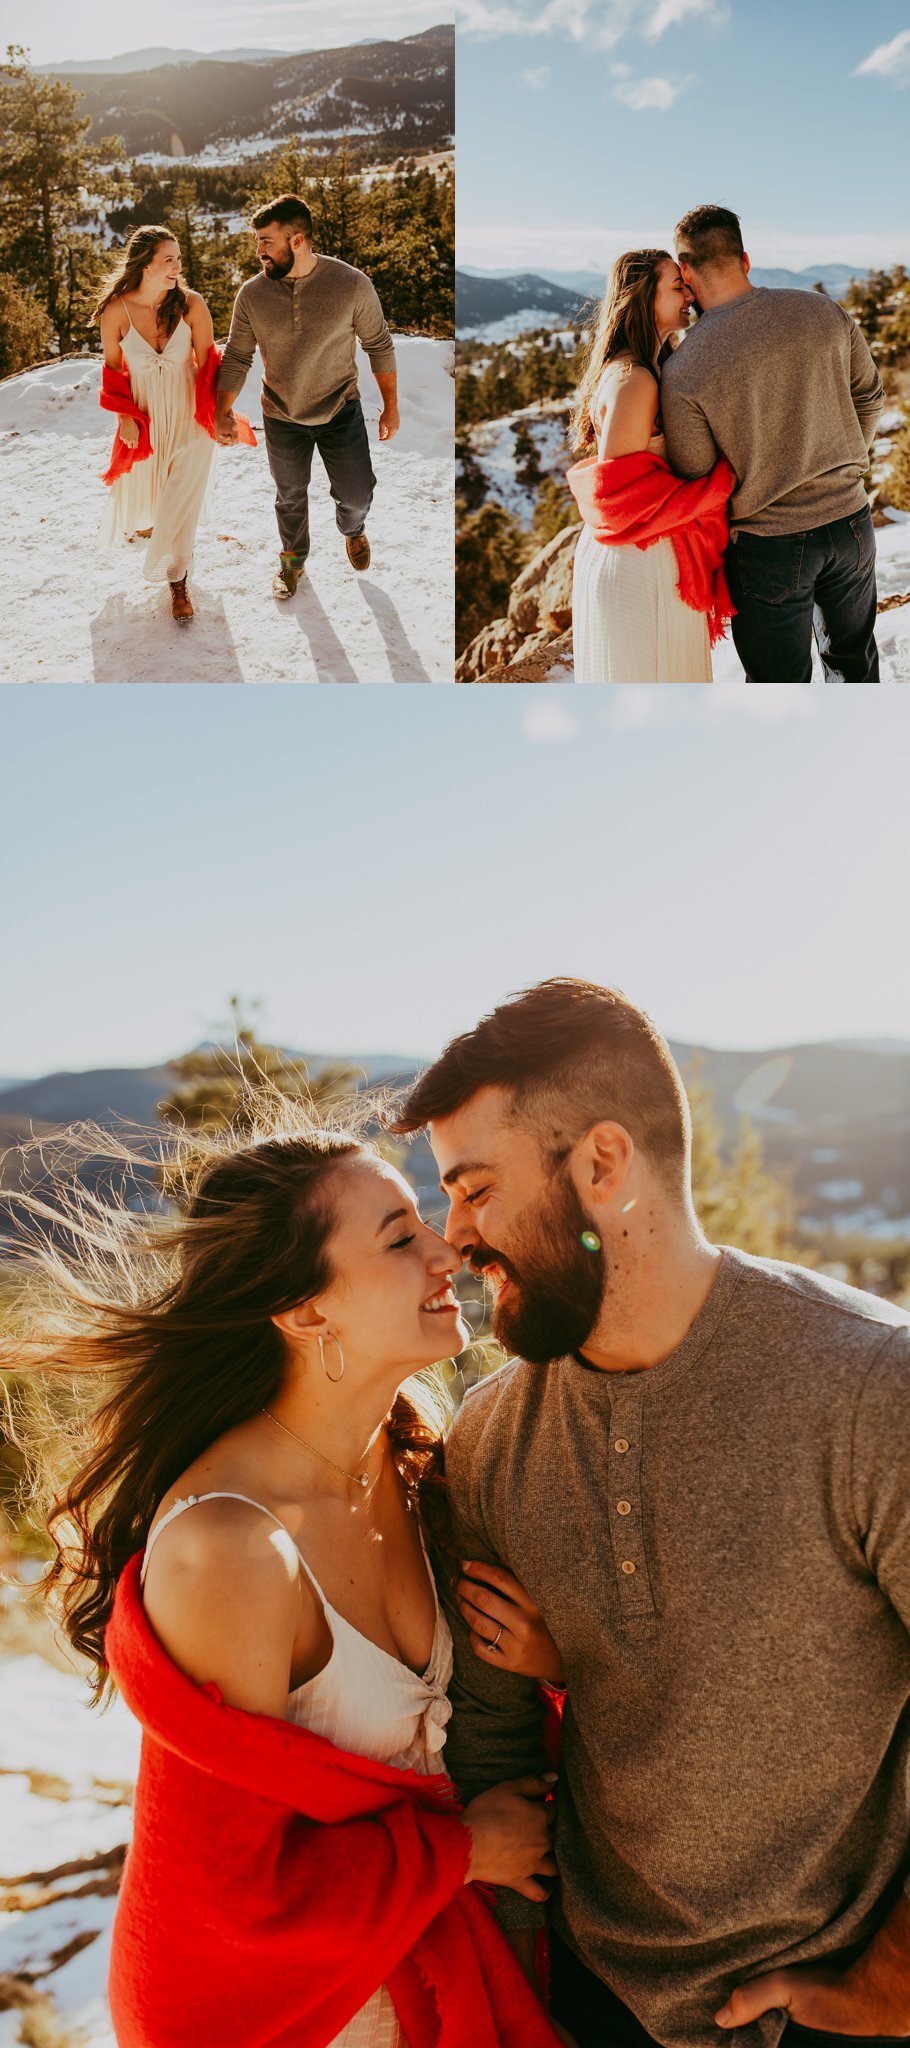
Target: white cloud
point(549, 718)
point(630, 709)
point(600, 24)
point(537, 78)
point(672, 13)
point(890, 60)
point(645, 95)
point(620, 71)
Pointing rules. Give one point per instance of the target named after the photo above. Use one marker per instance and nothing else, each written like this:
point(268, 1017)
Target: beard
point(558, 1285)
point(278, 266)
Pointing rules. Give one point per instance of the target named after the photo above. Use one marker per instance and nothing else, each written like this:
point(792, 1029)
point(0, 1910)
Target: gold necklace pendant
point(354, 1478)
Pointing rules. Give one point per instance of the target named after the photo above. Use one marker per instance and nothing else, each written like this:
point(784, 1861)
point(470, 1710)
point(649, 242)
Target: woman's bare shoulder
point(223, 1593)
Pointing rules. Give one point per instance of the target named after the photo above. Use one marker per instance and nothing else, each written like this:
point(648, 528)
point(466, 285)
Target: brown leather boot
point(181, 605)
point(358, 548)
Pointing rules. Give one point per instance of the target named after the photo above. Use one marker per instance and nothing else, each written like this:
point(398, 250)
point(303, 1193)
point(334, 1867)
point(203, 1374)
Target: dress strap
point(128, 315)
point(193, 1500)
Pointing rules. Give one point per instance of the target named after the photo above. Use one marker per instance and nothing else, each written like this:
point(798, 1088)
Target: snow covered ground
point(492, 445)
point(78, 615)
point(66, 1775)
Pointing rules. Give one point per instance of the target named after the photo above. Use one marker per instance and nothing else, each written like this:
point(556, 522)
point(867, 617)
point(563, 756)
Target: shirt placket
point(633, 1579)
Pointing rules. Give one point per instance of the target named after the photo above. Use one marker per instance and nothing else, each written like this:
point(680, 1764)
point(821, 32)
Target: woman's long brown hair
point(137, 1339)
point(129, 274)
point(625, 326)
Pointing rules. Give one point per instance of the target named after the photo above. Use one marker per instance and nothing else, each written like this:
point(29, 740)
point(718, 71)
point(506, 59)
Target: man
point(304, 314)
point(783, 384)
point(698, 1467)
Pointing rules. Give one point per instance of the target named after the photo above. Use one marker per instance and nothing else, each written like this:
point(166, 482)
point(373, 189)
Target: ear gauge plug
point(591, 1241)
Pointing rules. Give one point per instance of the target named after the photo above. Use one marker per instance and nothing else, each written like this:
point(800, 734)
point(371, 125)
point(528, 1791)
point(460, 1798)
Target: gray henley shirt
point(783, 384)
point(305, 329)
point(720, 1546)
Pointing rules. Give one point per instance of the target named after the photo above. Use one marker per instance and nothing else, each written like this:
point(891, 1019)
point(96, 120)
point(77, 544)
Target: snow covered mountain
point(401, 90)
point(84, 616)
point(151, 60)
point(837, 1116)
point(494, 305)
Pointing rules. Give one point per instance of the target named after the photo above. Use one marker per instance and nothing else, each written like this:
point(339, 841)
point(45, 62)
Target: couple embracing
point(173, 393)
point(681, 1512)
point(721, 473)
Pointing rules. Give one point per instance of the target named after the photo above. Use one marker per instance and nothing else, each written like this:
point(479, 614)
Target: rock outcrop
point(539, 614)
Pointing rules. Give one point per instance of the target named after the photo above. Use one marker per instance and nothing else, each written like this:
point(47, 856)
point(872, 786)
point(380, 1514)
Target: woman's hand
point(510, 1836)
point(506, 1627)
point(129, 431)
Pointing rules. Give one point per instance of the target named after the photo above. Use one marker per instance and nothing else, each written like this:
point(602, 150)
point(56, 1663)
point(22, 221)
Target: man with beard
point(698, 1468)
point(304, 314)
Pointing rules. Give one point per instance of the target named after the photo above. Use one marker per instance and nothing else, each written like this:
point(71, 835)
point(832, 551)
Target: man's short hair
point(709, 236)
point(288, 212)
point(571, 1055)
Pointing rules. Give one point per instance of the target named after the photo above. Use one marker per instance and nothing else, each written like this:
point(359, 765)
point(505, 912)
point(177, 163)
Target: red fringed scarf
point(635, 500)
point(116, 396)
point(206, 387)
point(274, 1882)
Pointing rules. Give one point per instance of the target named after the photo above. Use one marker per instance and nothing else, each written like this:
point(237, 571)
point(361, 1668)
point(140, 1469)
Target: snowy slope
point(81, 615)
point(492, 445)
point(65, 1784)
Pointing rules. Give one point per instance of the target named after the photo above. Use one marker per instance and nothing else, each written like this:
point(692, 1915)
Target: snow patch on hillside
point(492, 445)
point(85, 616)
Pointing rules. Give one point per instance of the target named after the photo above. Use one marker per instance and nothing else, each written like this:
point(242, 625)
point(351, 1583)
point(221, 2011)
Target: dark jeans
point(345, 451)
point(598, 2019)
point(783, 584)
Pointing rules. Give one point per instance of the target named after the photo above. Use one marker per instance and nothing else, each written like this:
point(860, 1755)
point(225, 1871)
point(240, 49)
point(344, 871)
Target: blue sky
point(589, 126)
point(57, 32)
point(382, 866)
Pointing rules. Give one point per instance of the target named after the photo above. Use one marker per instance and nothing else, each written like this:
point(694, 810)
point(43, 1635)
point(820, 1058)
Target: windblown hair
point(570, 1055)
point(153, 1332)
point(708, 237)
point(128, 277)
point(287, 211)
point(625, 326)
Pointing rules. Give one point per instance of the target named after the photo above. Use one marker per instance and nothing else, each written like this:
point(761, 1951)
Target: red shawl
point(635, 500)
point(116, 396)
point(206, 386)
point(274, 1882)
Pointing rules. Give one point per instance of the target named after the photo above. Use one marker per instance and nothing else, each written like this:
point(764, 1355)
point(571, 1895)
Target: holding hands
point(506, 1627)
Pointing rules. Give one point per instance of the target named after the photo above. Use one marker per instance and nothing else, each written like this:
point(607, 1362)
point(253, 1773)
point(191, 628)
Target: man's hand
point(870, 1996)
point(128, 430)
point(389, 423)
point(226, 428)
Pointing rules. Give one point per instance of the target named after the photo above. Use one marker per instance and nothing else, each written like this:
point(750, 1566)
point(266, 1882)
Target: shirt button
point(624, 1507)
point(620, 1444)
point(627, 1565)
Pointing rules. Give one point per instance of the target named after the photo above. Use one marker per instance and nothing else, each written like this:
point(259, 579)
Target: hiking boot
point(287, 575)
point(181, 605)
point(358, 548)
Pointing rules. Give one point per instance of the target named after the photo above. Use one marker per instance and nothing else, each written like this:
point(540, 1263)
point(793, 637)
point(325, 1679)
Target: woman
point(239, 1551)
point(649, 598)
point(158, 344)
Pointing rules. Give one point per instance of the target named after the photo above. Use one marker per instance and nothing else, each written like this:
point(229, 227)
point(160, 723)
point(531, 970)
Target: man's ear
point(604, 1161)
point(747, 262)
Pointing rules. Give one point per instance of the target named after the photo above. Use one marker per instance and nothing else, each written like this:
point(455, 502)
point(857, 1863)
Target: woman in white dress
point(160, 332)
point(629, 623)
point(263, 1423)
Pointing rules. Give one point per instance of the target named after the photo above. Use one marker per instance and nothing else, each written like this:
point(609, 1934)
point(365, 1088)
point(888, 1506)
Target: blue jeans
point(345, 451)
point(783, 584)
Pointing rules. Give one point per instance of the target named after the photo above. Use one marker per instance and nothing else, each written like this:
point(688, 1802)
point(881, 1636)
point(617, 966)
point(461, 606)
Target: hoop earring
point(333, 1377)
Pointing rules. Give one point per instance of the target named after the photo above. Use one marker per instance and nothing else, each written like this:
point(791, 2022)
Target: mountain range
point(484, 298)
point(401, 90)
point(836, 1117)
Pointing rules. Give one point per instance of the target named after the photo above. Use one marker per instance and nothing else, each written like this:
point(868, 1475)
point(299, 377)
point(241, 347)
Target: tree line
point(67, 206)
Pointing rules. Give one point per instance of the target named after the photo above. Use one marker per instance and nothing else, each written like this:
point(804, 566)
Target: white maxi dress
point(629, 623)
point(369, 1702)
point(170, 490)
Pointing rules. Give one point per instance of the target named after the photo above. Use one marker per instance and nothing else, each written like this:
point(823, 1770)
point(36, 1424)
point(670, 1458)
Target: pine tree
point(528, 471)
point(25, 329)
point(490, 551)
point(898, 481)
point(214, 1084)
point(554, 511)
point(55, 187)
point(738, 1200)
